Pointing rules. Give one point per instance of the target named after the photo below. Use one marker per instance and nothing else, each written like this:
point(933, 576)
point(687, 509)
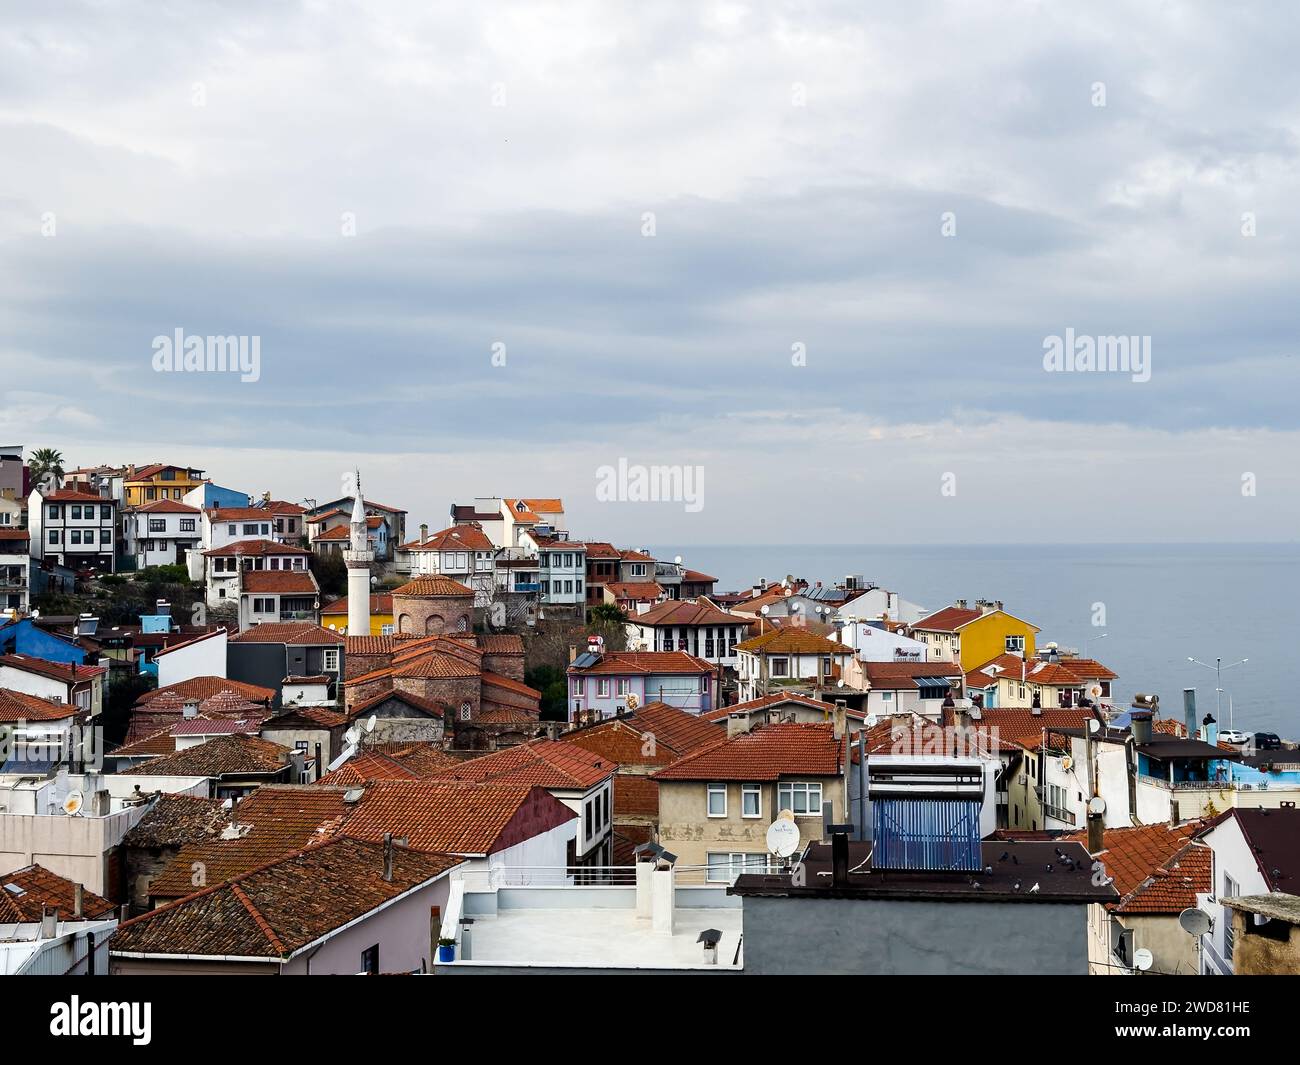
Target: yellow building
point(335, 615)
point(972, 637)
point(151, 483)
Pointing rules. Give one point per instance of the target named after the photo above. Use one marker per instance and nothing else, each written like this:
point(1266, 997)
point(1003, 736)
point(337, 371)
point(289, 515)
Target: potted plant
point(446, 949)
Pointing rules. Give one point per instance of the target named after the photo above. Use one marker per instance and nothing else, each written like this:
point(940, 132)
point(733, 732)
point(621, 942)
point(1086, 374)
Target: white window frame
point(756, 791)
point(791, 788)
point(711, 790)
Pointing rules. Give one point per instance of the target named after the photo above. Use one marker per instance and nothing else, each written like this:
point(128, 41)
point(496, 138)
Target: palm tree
point(46, 461)
point(606, 614)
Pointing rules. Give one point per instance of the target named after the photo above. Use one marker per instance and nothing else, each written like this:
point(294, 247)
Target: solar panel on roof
point(585, 659)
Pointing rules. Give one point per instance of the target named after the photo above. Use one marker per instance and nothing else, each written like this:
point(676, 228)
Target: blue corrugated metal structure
point(930, 834)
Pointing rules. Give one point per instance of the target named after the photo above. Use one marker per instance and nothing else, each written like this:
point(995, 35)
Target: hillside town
point(248, 735)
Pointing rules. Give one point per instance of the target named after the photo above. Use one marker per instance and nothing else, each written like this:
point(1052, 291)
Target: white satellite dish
point(73, 801)
point(1067, 763)
point(678, 560)
point(1094, 725)
point(1143, 959)
point(763, 609)
point(1097, 805)
point(352, 735)
point(782, 837)
point(370, 723)
point(1194, 921)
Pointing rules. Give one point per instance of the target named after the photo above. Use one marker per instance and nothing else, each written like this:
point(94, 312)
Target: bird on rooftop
point(1034, 890)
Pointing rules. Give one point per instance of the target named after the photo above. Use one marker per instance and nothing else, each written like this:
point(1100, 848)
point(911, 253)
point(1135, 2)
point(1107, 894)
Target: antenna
point(782, 837)
point(1195, 921)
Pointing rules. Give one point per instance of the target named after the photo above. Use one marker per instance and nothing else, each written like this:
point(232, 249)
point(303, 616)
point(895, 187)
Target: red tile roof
point(685, 612)
point(546, 763)
point(457, 538)
point(949, 619)
point(637, 591)
point(255, 549)
point(344, 532)
point(198, 688)
point(68, 495)
point(226, 755)
point(794, 641)
point(1149, 867)
point(293, 633)
point(216, 514)
point(766, 753)
point(277, 909)
point(279, 582)
point(902, 676)
point(453, 817)
point(645, 663)
point(38, 887)
point(1024, 727)
point(433, 587)
point(653, 735)
point(379, 604)
point(63, 671)
point(165, 506)
point(19, 706)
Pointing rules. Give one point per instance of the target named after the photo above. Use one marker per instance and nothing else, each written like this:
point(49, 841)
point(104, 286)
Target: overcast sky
point(800, 165)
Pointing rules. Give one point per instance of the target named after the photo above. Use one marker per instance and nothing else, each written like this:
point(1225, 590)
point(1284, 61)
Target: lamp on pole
point(1218, 668)
point(1220, 691)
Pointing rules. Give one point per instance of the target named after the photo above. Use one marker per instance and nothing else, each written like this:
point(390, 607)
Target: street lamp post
point(1220, 691)
point(1218, 668)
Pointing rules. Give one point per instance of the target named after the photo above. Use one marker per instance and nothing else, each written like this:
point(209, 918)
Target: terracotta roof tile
point(38, 887)
point(174, 820)
point(432, 587)
point(646, 662)
point(282, 582)
point(293, 633)
point(202, 687)
point(766, 753)
point(254, 549)
point(219, 757)
point(1135, 855)
point(685, 612)
point(547, 763)
point(279, 908)
point(793, 640)
point(19, 706)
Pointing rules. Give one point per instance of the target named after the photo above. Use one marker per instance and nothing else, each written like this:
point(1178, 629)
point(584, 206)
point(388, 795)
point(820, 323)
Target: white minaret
point(358, 556)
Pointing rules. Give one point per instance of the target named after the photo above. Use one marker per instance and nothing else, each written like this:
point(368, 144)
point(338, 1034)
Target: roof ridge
point(261, 922)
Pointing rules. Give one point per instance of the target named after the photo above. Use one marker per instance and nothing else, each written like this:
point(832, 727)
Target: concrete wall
point(207, 658)
point(687, 830)
point(74, 847)
point(1259, 955)
point(839, 937)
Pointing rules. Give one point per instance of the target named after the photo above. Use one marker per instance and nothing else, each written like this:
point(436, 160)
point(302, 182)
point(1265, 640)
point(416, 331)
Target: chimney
point(573, 653)
point(840, 859)
point(424, 532)
point(1095, 833)
point(961, 604)
point(738, 724)
point(1211, 731)
point(388, 856)
point(1141, 726)
point(839, 717)
point(1189, 711)
point(49, 922)
point(78, 901)
point(644, 887)
point(662, 895)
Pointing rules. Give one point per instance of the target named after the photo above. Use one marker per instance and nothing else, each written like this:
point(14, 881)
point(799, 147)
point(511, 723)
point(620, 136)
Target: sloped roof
point(225, 755)
point(765, 753)
point(279, 908)
point(34, 887)
point(292, 633)
point(432, 587)
point(174, 820)
point(255, 548)
point(1154, 869)
point(685, 612)
point(279, 581)
point(456, 538)
point(645, 662)
point(19, 706)
point(198, 688)
point(794, 641)
point(546, 763)
point(380, 603)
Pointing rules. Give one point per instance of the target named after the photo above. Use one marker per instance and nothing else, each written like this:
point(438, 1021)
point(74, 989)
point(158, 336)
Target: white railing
point(573, 876)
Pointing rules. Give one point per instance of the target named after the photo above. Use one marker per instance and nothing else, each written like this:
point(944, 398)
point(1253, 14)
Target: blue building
point(26, 637)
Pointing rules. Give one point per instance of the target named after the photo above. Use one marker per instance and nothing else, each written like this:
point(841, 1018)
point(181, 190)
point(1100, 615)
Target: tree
point(331, 572)
point(606, 614)
point(46, 461)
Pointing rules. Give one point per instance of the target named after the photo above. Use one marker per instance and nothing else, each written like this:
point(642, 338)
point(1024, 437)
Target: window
point(105, 536)
point(1229, 892)
point(187, 524)
point(74, 537)
point(717, 800)
point(638, 569)
point(588, 819)
point(250, 529)
point(56, 511)
point(157, 525)
point(800, 797)
point(330, 660)
point(780, 667)
point(751, 800)
point(105, 513)
point(579, 685)
point(232, 530)
point(623, 686)
point(370, 960)
point(887, 697)
point(602, 688)
point(54, 536)
point(75, 513)
point(386, 630)
point(1015, 645)
point(724, 867)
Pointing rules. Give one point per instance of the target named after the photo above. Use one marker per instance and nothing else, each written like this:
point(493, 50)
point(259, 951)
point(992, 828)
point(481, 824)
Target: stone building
point(433, 606)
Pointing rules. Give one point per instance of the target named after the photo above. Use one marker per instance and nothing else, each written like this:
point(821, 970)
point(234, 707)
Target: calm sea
point(1162, 604)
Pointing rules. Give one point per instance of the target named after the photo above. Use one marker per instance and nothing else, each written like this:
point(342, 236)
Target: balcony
point(297, 615)
point(1058, 813)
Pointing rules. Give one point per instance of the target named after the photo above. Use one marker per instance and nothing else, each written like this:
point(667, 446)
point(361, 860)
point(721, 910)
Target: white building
point(15, 570)
point(463, 552)
point(697, 627)
point(561, 568)
point(161, 533)
point(225, 567)
point(874, 643)
point(74, 529)
point(876, 603)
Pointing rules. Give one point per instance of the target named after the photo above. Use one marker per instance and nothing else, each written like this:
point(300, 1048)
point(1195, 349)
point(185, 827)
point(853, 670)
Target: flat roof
point(576, 937)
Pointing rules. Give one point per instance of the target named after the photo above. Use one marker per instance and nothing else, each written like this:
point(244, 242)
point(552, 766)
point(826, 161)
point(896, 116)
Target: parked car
point(1268, 741)
point(1231, 735)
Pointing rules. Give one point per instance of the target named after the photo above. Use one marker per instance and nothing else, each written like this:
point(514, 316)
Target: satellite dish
point(782, 837)
point(763, 609)
point(1194, 921)
point(1095, 691)
point(631, 702)
point(1067, 763)
point(370, 723)
point(73, 801)
point(1097, 805)
point(1094, 725)
point(1143, 959)
point(678, 559)
point(352, 735)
